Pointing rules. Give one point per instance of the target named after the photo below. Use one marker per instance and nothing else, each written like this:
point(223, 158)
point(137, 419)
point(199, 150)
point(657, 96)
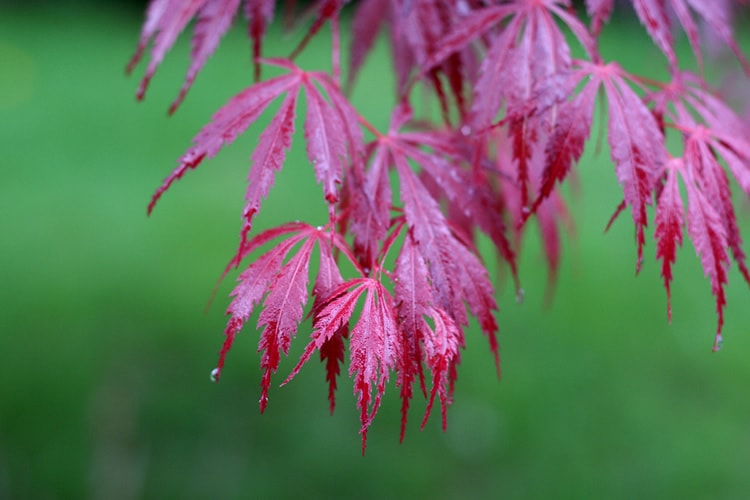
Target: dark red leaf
point(636, 147)
point(254, 284)
point(669, 221)
point(368, 20)
point(332, 350)
point(268, 157)
point(456, 274)
point(441, 345)
point(230, 121)
point(371, 208)
point(374, 348)
point(414, 298)
point(565, 145)
point(165, 20)
point(214, 19)
point(710, 241)
point(282, 312)
point(326, 142)
point(653, 15)
point(714, 183)
point(516, 115)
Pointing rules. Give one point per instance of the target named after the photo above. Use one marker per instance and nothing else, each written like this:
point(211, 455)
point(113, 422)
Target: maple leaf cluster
point(516, 110)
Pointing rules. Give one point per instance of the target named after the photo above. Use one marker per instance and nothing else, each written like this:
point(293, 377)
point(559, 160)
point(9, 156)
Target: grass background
point(105, 350)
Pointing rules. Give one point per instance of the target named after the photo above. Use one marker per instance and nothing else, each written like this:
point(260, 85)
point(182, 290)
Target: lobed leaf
point(517, 112)
point(456, 274)
point(566, 143)
point(282, 312)
point(654, 15)
point(714, 183)
point(214, 19)
point(254, 284)
point(230, 121)
point(165, 20)
point(374, 350)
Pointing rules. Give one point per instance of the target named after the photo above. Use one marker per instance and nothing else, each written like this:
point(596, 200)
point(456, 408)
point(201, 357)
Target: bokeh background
point(105, 349)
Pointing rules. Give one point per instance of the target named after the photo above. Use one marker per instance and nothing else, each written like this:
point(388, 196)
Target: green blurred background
point(105, 350)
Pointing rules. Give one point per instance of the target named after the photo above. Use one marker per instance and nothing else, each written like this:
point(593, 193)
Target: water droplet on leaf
point(215, 375)
point(718, 343)
point(519, 295)
point(465, 130)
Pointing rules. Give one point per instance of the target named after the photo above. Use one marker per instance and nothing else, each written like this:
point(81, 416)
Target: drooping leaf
point(655, 16)
point(710, 241)
point(326, 144)
point(371, 208)
point(636, 147)
point(255, 282)
point(600, 11)
point(414, 297)
point(636, 141)
point(333, 349)
point(456, 274)
point(374, 350)
point(669, 222)
point(229, 122)
point(282, 312)
point(374, 342)
point(331, 136)
point(214, 19)
point(367, 22)
point(566, 143)
point(442, 354)
point(284, 284)
point(268, 157)
point(468, 193)
point(713, 182)
point(165, 20)
point(516, 114)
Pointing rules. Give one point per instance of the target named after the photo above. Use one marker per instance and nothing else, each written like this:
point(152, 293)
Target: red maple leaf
point(329, 138)
point(397, 275)
point(655, 16)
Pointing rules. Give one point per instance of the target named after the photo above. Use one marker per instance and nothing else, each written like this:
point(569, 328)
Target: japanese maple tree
point(396, 271)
